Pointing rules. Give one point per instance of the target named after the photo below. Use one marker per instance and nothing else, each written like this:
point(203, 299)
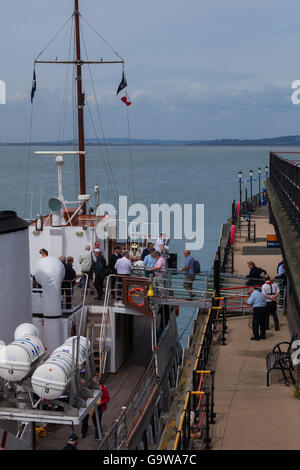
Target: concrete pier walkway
point(251, 415)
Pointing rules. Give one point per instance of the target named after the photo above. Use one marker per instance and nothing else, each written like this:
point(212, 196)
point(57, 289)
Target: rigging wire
point(28, 159)
point(54, 37)
point(98, 34)
point(100, 120)
point(130, 157)
point(107, 164)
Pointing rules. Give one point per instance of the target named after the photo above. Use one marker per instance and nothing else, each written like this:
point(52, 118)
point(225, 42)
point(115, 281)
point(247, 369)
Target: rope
point(54, 37)
point(130, 156)
point(107, 165)
point(98, 34)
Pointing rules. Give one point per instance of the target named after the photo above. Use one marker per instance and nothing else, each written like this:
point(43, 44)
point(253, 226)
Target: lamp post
point(267, 171)
point(259, 185)
point(251, 175)
point(240, 175)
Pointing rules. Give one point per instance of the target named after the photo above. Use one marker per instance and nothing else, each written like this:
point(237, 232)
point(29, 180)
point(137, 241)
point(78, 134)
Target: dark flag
point(33, 86)
point(123, 83)
point(125, 100)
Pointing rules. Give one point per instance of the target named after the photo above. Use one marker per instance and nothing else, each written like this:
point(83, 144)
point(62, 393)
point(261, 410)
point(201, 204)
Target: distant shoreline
point(292, 141)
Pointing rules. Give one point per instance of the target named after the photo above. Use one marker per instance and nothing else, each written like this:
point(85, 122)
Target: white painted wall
point(62, 241)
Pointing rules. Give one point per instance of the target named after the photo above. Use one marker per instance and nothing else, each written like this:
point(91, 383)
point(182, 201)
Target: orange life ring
point(238, 208)
point(232, 234)
point(132, 291)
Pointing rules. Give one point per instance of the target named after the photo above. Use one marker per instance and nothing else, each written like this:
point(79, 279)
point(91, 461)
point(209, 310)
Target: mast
point(78, 62)
point(80, 104)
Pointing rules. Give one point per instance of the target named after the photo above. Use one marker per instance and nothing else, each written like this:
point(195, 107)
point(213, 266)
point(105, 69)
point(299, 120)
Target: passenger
point(100, 271)
point(161, 244)
point(271, 292)
point(43, 252)
point(160, 269)
point(101, 406)
point(123, 267)
point(258, 303)
point(62, 259)
point(98, 247)
point(72, 442)
point(112, 262)
point(282, 276)
point(146, 251)
point(86, 260)
point(69, 281)
point(189, 272)
point(255, 275)
point(149, 261)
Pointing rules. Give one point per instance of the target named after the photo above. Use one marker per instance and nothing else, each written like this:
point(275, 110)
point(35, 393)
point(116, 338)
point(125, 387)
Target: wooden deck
point(120, 386)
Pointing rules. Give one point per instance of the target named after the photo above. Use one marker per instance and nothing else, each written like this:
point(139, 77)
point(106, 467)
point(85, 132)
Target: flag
point(33, 86)
point(124, 99)
point(123, 83)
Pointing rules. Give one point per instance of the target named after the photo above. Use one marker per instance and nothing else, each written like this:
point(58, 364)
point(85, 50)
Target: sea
point(184, 175)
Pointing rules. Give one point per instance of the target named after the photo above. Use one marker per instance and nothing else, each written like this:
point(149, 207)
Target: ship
point(59, 341)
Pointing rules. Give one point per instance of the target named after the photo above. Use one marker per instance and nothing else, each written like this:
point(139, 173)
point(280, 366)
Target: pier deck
point(250, 415)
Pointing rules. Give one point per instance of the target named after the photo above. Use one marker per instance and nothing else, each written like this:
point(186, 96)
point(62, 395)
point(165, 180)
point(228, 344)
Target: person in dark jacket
point(112, 261)
point(255, 275)
point(72, 442)
point(69, 281)
point(99, 270)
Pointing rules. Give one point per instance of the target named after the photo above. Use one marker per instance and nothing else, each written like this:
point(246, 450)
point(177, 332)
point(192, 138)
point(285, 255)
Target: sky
point(195, 70)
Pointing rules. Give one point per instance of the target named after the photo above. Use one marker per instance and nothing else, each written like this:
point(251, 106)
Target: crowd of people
point(94, 268)
point(264, 294)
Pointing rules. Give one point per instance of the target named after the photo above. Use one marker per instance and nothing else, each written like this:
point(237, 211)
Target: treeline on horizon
point(273, 141)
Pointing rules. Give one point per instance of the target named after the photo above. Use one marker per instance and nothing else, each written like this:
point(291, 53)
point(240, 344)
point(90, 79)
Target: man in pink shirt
point(160, 270)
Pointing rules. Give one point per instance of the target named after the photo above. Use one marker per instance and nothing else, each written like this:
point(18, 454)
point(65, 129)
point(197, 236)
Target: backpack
point(197, 268)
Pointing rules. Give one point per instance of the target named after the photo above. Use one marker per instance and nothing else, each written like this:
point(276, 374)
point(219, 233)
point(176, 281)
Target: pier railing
point(285, 177)
point(198, 414)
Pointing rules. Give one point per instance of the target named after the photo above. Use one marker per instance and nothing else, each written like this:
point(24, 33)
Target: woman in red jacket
point(101, 406)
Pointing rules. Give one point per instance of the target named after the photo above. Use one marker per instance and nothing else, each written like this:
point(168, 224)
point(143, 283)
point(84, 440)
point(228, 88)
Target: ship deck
point(120, 386)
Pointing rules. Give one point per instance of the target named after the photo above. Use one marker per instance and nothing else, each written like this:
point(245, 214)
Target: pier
point(249, 414)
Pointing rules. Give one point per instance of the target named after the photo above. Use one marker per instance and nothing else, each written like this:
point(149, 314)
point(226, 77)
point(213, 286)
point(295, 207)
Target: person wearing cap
point(72, 442)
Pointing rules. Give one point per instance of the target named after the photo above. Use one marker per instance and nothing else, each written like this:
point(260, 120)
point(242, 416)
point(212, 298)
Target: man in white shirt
point(123, 267)
point(271, 292)
point(161, 244)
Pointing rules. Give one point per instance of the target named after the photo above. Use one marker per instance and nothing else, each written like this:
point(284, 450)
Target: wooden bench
point(280, 361)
